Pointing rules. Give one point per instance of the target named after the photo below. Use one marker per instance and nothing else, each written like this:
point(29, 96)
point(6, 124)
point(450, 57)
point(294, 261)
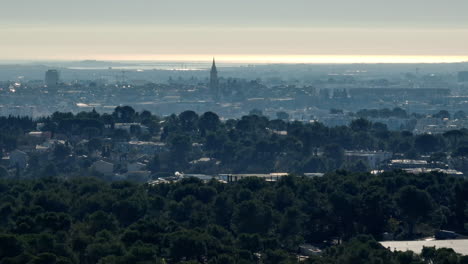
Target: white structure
point(459, 245)
point(309, 250)
point(450, 172)
point(266, 177)
point(408, 164)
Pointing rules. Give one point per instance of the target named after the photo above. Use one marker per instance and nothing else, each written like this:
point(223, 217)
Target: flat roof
point(458, 245)
point(408, 161)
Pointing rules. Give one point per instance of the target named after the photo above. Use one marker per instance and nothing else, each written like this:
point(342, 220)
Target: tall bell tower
point(214, 82)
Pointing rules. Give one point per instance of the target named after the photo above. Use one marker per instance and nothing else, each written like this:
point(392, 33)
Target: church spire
point(213, 66)
point(214, 82)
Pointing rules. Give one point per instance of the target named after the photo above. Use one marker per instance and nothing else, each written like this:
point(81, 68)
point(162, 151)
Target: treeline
point(85, 220)
point(251, 144)
point(256, 144)
point(383, 113)
point(11, 129)
point(398, 112)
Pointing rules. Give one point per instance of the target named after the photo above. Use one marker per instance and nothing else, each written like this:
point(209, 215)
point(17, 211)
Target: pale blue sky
point(106, 29)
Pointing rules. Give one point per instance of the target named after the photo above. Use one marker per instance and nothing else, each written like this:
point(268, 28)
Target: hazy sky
point(195, 29)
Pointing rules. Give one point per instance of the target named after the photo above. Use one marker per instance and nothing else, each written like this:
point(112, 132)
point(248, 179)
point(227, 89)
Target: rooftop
point(460, 246)
point(408, 161)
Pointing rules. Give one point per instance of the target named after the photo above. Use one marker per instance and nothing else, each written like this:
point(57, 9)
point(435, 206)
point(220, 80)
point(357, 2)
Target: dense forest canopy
point(86, 220)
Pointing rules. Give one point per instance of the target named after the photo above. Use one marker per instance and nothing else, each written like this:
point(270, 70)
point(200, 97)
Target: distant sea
point(137, 65)
point(190, 66)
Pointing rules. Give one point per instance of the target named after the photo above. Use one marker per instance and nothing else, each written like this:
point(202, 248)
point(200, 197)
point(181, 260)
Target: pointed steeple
point(214, 82)
point(213, 66)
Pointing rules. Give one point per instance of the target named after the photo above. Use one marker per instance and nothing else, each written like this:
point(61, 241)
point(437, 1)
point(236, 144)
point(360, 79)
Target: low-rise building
point(309, 250)
point(313, 174)
point(39, 134)
point(460, 246)
point(265, 176)
point(103, 167)
point(141, 147)
point(135, 166)
point(450, 172)
point(372, 158)
point(408, 164)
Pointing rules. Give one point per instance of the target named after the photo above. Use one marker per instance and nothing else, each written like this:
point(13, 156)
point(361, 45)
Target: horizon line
point(257, 58)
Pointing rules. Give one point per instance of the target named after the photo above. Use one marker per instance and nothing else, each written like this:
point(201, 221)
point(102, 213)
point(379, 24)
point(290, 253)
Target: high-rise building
point(52, 78)
point(214, 82)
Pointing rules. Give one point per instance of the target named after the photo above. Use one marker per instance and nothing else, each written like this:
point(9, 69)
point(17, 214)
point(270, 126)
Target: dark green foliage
point(251, 144)
point(67, 219)
point(88, 221)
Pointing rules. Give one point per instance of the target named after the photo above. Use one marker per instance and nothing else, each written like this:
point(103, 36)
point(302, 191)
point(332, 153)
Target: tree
point(94, 144)
point(461, 152)
point(399, 112)
point(438, 157)
point(359, 166)
point(360, 124)
point(124, 114)
point(180, 146)
point(4, 172)
point(45, 258)
point(61, 151)
point(100, 220)
point(108, 120)
point(155, 164)
point(135, 130)
point(252, 217)
point(442, 114)
point(121, 135)
point(50, 170)
point(426, 143)
point(145, 114)
point(91, 132)
point(453, 137)
point(209, 121)
point(414, 204)
point(335, 153)
point(187, 244)
point(188, 120)
point(459, 115)
point(10, 246)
